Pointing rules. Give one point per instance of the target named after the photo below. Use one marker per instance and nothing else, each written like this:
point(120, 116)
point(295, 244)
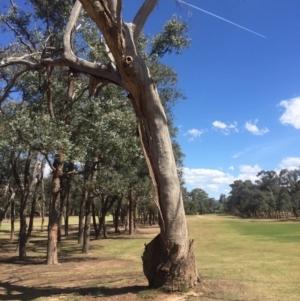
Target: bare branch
point(49, 92)
point(108, 72)
point(142, 16)
point(115, 7)
point(21, 60)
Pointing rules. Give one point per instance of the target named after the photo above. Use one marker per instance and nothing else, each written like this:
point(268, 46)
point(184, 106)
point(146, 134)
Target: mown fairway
point(238, 260)
point(247, 259)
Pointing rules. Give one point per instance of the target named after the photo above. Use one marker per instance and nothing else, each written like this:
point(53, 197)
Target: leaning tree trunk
point(168, 260)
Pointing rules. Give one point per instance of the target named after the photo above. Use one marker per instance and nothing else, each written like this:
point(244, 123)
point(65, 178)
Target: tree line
point(273, 195)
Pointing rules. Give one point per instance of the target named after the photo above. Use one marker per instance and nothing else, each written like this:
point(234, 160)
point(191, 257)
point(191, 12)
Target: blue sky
point(242, 112)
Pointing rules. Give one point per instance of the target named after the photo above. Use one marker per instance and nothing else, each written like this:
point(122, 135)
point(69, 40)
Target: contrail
point(222, 18)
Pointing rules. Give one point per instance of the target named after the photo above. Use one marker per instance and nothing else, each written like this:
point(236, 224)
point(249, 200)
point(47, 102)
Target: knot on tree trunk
point(128, 60)
point(165, 269)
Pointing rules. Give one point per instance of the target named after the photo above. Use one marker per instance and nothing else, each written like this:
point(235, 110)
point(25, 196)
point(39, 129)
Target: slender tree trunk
point(43, 214)
point(132, 227)
point(54, 214)
point(30, 227)
point(23, 226)
point(43, 196)
point(87, 226)
point(94, 217)
point(117, 215)
point(26, 186)
point(81, 216)
point(104, 226)
point(67, 213)
point(6, 189)
point(12, 219)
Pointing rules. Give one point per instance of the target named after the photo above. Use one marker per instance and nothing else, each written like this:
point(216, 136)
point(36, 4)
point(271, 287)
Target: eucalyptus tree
point(290, 179)
point(174, 265)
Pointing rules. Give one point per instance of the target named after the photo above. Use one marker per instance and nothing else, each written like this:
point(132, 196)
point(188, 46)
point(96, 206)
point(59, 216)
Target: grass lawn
point(248, 259)
point(238, 260)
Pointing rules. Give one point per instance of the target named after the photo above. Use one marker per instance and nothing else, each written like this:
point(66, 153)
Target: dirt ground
point(75, 278)
point(89, 277)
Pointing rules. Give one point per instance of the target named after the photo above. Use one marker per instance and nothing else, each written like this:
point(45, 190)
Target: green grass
point(254, 260)
point(239, 259)
point(278, 231)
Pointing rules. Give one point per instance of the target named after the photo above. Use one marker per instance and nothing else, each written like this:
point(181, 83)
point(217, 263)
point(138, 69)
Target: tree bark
point(82, 215)
point(132, 227)
point(67, 213)
point(117, 216)
point(30, 226)
point(54, 212)
point(94, 217)
point(87, 226)
point(12, 219)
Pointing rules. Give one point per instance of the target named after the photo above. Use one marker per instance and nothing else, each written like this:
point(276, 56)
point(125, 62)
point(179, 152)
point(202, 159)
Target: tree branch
point(108, 72)
point(12, 83)
point(18, 35)
point(142, 16)
point(21, 60)
point(115, 7)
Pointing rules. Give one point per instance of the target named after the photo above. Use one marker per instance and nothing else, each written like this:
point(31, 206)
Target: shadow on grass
point(23, 293)
point(33, 260)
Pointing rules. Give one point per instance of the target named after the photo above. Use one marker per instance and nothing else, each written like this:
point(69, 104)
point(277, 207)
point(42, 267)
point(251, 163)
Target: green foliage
point(173, 38)
point(198, 202)
point(272, 196)
point(48, 108)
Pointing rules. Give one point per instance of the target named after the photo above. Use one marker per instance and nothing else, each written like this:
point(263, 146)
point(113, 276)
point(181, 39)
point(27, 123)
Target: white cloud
point(290, 163)
point(249, 168)
point(231, 167)
point(219, 124)
point(223, 127)
point(215, 181)
point(193, 134)
point(292, 113)
point(248, 172)
point(237, 155)
point(253, 129)
point(206, 179)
